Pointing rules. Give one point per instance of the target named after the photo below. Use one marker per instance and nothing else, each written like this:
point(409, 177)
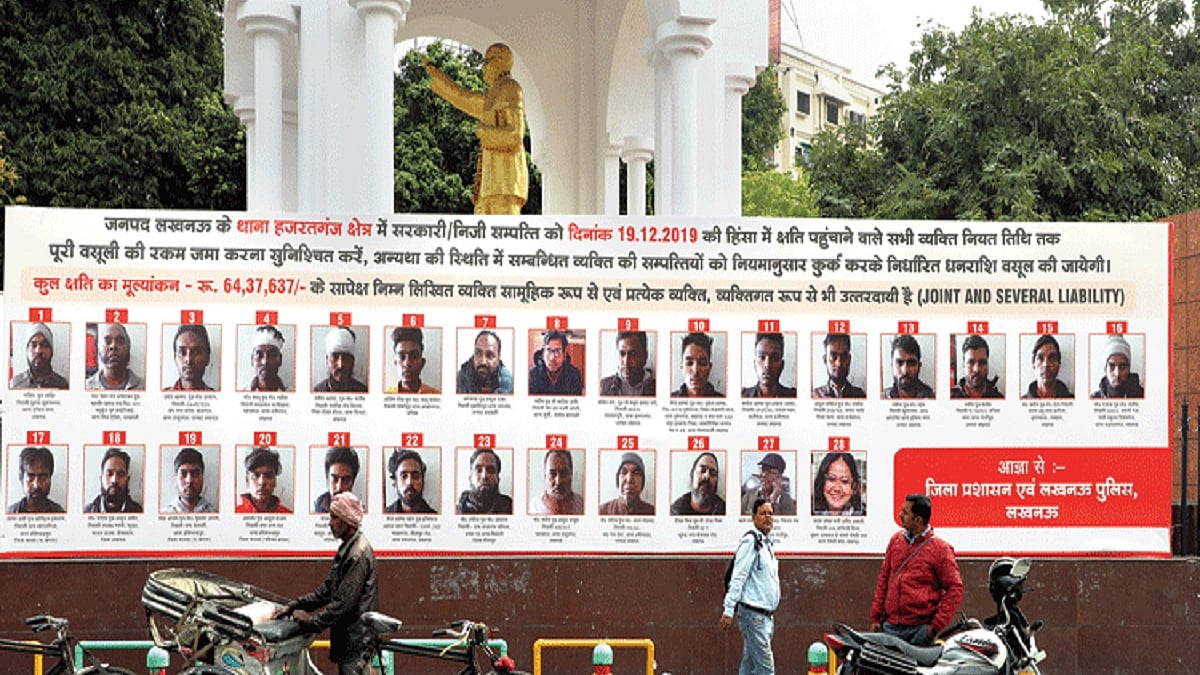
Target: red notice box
point(1039, 487)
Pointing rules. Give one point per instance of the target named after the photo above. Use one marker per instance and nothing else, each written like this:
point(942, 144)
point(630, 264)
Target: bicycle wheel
point(111, 670)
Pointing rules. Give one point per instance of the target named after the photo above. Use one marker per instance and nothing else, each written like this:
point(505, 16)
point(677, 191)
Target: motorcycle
point(225, 627)
point(1001, 644)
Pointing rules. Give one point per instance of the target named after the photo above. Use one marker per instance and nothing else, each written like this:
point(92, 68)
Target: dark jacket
point(611, 385)
point(925, 590)
point(683, 506)
point(827, 390)
point(350, 590)
point(989, 390)
point(422, 507)
point(755, 392)
point(127, 506)
point(329, 385)
point(709, 391)
point(1060, 390)
point(502, 504)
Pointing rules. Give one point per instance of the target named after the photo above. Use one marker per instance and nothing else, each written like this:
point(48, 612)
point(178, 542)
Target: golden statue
point(501, 178)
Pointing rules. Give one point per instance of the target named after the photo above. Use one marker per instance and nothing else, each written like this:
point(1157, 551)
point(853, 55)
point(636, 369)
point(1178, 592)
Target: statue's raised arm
point(501, 177)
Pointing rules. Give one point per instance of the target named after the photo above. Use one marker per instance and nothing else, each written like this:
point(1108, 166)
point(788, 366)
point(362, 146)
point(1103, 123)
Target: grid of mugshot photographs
point(341, 359)
point(755, 469)
point(137, 479)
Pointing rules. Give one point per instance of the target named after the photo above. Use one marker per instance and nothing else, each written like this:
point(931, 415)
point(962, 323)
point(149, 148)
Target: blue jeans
point(757, 631)
point(913, 635)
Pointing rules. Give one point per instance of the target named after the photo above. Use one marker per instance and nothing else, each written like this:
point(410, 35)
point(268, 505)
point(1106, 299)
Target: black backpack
point(729, 569)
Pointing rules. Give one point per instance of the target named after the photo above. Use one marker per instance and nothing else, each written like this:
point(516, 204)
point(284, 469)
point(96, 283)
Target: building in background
point(819, 95)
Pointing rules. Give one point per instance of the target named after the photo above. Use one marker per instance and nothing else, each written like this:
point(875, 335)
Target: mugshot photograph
point(37, 479)
point(1048, 365)
point(909, 366)
point(339, 359)
point(195, 357)
point(412, 480)
point(336, 469)
point(484, 480)
point(556, 362)
point(485, 355)
point(556, 482)
point(698, 481)
point(266, 476)
point(627, 361)
point(413, 363)
point(701, 359)
point(839, 483)
point(120, 356)
point(190, 479)
point(977, 366)
point(1117, 364)
point(266, 358)
point(113, 478)
point(769, 366)
point(769, 476)
point(627, 482)
point(32, 358)
point(839, 365)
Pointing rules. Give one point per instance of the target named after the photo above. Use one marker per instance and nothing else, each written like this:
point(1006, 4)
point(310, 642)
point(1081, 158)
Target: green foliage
point(763, 109)
point(117, 104)
point(436, 147)
point(774, 194)
point(1086, 116)
point(8, 180)
point(623, 180)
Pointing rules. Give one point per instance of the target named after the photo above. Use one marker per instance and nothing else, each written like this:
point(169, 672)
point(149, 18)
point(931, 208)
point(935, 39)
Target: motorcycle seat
point(924, 656)
point(278, 630)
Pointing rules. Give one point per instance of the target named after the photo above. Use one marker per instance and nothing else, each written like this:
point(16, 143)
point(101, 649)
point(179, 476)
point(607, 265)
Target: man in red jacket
point(919, 587)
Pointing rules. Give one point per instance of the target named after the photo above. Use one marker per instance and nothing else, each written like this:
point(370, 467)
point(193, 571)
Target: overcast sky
point(865, 34)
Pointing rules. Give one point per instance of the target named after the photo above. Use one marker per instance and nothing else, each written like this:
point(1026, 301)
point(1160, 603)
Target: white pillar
point(663, 176)
point(683, 43)
point(291, 165)
point(380, 20)
point(268, 23)
point(312, 160)
point(636, 153)
point(738, 80)
point(612, 175)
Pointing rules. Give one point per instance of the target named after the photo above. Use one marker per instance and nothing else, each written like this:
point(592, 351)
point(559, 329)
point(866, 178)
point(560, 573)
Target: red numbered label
point(191, 438)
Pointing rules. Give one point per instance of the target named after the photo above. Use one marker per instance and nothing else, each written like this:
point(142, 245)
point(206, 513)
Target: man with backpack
point(752, 592)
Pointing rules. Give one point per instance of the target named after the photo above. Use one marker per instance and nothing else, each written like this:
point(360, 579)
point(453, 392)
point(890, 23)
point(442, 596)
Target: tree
point(775, 194)
point(763, 109)
point(1089, 116)
point(8, 180)
point(117, 104)
point(436, 147)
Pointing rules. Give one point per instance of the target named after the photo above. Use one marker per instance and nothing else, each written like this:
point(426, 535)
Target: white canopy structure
point(604, 80)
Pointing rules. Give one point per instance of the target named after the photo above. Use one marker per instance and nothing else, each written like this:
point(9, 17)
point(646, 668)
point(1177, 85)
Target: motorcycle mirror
point(1021, 567)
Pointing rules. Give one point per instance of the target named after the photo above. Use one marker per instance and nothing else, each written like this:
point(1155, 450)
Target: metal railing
point(589, 643)
point(501, 647)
